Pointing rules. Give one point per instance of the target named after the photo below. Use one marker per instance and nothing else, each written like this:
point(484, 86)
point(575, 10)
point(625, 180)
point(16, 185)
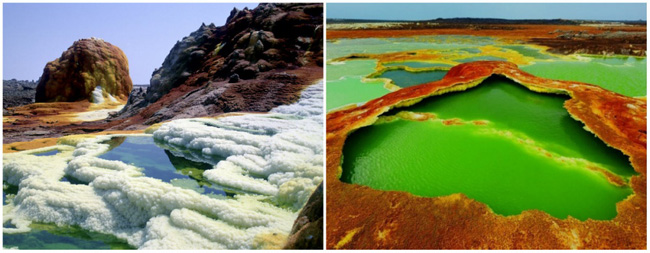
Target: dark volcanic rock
point(17, 92)
point(184, 58)
point(86, 64)
point(233, 78)
point(307, 230)
point(194, 79)
point(271, 36)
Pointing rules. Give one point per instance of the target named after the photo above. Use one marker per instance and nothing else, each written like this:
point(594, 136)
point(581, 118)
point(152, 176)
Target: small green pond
point(160, 162)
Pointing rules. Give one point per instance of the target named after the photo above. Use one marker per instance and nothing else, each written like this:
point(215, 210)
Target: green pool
point(624, 75)
point(530, 155)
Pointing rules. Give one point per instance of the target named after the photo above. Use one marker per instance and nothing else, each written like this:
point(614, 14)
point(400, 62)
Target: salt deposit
point(274, 161)
point(278, 154)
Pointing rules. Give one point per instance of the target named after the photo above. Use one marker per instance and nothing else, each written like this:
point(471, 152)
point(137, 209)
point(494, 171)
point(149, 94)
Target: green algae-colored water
point(345, 85)
point(481, 58)
point(49, 236)
point(490, 163)
point(431, 159)
point(404, 78)
point(540, 117)
point(624, 75)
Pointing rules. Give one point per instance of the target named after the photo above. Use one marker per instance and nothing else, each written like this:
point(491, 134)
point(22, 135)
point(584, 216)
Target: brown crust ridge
point(361, 217)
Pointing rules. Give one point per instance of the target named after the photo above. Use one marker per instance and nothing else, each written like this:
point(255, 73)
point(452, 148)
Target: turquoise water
point(161, 163)
point(49, 236)
point(416, 64)
point(530, 52)
point(48, 153)
point(481, 58)
point(158, 161)
point(403, 78)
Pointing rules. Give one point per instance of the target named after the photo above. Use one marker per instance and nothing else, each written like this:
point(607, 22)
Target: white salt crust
point(277, 156)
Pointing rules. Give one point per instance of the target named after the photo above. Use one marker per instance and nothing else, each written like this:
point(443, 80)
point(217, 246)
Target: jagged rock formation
point(268, 38)
point(86, 65)
point(193, 80)
point(17, 92)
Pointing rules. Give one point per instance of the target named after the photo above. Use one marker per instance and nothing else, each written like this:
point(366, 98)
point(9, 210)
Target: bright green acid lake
point(345, 83)
point(624, 75)
point(489, 163)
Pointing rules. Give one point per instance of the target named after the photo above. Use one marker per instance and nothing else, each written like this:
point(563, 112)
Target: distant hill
point(488, 21)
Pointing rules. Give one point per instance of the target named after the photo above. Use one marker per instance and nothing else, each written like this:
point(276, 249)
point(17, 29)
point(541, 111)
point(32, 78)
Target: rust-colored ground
point(518, 32)
point(361, 217)
point(49, 120)
point(46, 142)
point(51, 114)
point(544, 35)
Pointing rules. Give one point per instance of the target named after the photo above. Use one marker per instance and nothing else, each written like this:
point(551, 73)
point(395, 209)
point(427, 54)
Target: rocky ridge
point(17, 92)
point(239, 58)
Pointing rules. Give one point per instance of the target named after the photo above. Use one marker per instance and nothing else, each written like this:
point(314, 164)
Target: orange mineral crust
point(363, 218)
point(46, 142)
point(562, 39)
point(518, 32)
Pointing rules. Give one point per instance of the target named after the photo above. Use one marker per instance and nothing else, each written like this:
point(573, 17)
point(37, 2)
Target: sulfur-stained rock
point(307, 230)
point(91, 69)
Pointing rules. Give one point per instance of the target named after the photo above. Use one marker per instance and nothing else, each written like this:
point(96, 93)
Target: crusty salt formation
point(273, 161)
point(277, 154)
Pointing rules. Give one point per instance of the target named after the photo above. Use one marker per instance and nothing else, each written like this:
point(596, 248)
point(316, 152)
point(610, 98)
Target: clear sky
point(36, 33)
point(424, 11)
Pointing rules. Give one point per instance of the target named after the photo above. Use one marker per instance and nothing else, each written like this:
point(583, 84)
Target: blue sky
point(36, 33)
point(423, 11)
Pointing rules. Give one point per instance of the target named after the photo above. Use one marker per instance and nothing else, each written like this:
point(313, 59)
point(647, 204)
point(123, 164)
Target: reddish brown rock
point(86, 64)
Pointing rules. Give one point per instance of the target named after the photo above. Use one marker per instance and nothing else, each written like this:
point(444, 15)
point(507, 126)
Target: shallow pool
point(508, 147)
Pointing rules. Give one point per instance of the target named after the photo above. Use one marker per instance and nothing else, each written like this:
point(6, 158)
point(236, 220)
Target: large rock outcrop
point(268, 37)
point(91, 69)
point(17, 92)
